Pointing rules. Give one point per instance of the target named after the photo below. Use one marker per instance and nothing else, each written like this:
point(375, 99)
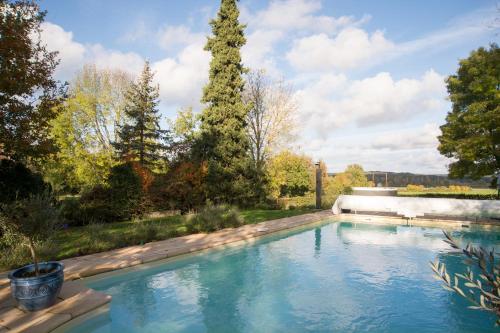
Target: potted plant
point(29, 222)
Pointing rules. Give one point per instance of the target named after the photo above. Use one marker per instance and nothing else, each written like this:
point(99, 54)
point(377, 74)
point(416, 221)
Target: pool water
point(335, 277)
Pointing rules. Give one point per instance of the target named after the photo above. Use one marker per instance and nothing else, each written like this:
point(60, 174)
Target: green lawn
point(433, 191)
point(76, 241)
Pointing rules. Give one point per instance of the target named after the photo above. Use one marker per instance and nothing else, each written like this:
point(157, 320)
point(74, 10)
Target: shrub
point(125, 190)
point(121, 200)
point(19, 182)
point(96, 206)
point(30, 221)
point(144, 232)
point(415, 188)
point(181, 188)
point(450, 195)
point(16, 254)
point(459, 188)
point(213, 218)
point(71, 212)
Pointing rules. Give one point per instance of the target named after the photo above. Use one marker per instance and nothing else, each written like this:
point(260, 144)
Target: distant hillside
point(401, 179)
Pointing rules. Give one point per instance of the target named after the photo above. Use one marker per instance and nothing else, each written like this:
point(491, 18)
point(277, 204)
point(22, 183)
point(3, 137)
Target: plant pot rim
point(58, 265)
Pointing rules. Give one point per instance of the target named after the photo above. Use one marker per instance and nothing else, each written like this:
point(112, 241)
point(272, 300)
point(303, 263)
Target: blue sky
point(368, 76)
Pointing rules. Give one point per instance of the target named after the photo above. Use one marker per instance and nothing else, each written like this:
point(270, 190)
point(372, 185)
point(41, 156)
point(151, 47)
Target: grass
point(473, 191)
point(77, 241)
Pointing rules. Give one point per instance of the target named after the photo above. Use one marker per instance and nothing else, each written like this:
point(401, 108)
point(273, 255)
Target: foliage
point(451, 188)
point(342, 183)
point(402, 179)
point(186, 124)
point(471, 135)
point(272, 116)
point(212, 218)
point(181, 188)
point(15, 254)
point(86, 127)
point(141, 138)
point(223, 141)
point(71, 212)
point(19, 182)
point(471, 196)
point(120, 200)
point(482, 290)
point(28, 93)
point(415, 188)
point(185, 131)
point(125, 189)
point(31, 221)
point(75, 241)
point(289, 174)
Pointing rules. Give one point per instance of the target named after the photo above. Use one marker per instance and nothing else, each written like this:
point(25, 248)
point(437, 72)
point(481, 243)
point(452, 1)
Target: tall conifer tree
point(224, 143)
point(140, 137)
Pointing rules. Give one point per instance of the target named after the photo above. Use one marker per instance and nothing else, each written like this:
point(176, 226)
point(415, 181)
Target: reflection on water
point(341, 277)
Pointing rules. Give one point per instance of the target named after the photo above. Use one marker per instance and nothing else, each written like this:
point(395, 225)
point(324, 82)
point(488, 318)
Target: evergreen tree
point(141, 138)
point(224, 143)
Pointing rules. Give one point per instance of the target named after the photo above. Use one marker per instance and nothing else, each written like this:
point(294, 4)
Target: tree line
point(101, 135)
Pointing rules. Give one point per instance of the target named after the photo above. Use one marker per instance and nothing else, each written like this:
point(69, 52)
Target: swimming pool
point(333, 277)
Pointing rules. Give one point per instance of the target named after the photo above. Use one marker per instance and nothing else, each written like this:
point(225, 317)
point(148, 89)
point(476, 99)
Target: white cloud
point(171, 36)
point(106, 58)
point(71, 53)
point(258, 52)
point(340, 151)
point(182, 78)
point(288, 15)
point(352, 47)
point(409, 138)
point(333, 101)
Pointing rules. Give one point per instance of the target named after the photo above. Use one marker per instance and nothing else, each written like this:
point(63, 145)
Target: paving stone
point(9, 317)
point(71, 288)
point(45, 323)
point(6, 299)
point(81, 303)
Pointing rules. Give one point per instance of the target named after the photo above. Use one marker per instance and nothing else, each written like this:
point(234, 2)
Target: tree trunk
point(33, 255)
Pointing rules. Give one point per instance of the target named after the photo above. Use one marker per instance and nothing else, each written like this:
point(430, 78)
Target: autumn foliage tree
point(28, 92)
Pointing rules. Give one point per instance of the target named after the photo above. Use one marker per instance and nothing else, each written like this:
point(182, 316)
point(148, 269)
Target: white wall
point(415, 207)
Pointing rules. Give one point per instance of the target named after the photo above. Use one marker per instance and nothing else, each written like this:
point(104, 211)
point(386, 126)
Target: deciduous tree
point(290, 174)
point(86, 128)
point(471, 135)
point(272, 116)
point(28, 92)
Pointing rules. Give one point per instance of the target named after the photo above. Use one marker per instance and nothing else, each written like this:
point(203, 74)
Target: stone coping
point(76, 299)
point(73, 301)
point(423, 222)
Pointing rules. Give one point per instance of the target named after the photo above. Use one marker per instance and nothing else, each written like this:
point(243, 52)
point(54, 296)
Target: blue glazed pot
point(38, 292)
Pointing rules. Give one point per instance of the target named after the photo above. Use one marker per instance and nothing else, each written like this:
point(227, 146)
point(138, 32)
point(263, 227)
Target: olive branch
point(483, 289)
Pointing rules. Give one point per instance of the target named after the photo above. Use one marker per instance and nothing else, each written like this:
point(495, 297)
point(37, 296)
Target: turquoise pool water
point(336, 277)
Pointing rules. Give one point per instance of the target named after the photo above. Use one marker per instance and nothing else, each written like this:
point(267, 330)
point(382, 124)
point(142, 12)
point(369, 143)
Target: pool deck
point(75, 299)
